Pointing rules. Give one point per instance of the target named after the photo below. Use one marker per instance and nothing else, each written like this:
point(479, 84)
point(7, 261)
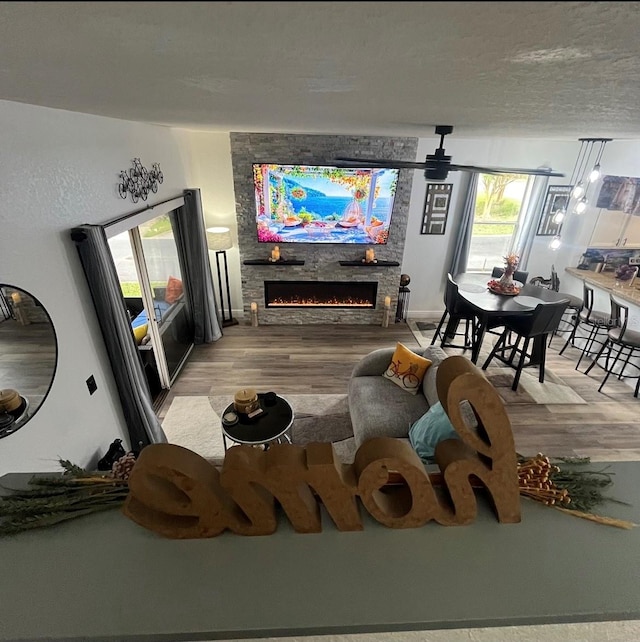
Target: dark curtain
point(463, 239)
point(142, 423)
point(193, 252)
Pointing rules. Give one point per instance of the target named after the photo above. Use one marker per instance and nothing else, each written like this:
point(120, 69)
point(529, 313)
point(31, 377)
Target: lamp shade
point(219, 238)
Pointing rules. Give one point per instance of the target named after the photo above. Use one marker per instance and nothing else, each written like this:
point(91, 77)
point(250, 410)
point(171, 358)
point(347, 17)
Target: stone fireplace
point(337, 268)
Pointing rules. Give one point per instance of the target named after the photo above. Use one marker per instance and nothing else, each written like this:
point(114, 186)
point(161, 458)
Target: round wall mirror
point(28, 357)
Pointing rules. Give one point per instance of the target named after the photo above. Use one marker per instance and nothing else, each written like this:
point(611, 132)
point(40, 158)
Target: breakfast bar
point(608, 282)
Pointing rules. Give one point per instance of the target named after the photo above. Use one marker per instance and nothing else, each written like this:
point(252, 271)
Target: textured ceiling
point(544, 69)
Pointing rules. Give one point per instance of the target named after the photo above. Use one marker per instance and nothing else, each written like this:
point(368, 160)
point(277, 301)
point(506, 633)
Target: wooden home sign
point(177, 493)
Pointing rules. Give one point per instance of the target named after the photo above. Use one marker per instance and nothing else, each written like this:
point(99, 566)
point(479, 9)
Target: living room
point(60, 162)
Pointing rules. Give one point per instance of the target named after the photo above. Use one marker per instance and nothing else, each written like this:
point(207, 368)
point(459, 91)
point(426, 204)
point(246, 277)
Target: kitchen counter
point(607, 281)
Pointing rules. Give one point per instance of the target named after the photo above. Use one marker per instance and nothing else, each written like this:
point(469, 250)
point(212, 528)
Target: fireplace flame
point(295, 302)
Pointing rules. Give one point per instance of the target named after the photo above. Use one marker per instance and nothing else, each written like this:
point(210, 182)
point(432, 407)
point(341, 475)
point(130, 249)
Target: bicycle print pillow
point(407, 369)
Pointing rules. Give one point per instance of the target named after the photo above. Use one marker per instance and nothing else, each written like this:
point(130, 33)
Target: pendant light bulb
point(581, 205)
point(595, 173)
point(558, 217)
point(578, 190)
point(556, 242)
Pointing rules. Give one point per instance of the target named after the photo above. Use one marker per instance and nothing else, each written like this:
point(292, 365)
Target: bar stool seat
point(625, 337)
point(594, 316)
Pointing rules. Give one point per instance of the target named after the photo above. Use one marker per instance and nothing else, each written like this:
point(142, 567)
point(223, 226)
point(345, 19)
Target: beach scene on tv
point(323, 204)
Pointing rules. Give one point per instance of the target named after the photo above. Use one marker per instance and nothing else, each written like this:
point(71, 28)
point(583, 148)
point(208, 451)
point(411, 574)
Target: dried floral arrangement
point(77, 492)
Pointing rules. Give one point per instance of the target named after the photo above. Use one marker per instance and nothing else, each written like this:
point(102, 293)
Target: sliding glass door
point(164, 277)
point(146, 260)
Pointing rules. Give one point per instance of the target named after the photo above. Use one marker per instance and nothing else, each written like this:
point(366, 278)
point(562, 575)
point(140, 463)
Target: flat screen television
point(323, 204)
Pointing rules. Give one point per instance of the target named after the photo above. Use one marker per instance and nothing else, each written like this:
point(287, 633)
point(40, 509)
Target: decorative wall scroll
point(436, 208)
point(557, 198)
point(178, 494)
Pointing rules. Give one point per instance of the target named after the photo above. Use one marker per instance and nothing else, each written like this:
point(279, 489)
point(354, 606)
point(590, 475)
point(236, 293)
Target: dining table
point(489, 305)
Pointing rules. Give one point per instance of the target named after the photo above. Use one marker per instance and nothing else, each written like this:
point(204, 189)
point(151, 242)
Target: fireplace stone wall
point(321, 261)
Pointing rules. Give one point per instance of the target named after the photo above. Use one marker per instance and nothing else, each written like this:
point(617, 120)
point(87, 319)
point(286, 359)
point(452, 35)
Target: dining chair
point(536, 326)
point(621, 338)
point(518, 275)
point(595, 321)
point(456, 310)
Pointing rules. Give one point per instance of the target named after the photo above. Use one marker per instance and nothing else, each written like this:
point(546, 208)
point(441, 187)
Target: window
point(497, 219)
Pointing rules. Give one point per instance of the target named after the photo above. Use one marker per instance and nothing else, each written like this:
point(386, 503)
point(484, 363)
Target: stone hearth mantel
point(318, 261)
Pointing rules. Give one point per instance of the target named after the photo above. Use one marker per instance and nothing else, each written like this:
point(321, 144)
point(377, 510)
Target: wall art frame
point(557, 198)
point(436, 208)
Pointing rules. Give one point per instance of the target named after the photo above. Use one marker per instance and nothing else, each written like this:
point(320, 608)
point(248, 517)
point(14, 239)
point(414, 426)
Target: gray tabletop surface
point(103, 577)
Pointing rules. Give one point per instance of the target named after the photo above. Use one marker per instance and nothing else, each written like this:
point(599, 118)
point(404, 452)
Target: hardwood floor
point(298, 359)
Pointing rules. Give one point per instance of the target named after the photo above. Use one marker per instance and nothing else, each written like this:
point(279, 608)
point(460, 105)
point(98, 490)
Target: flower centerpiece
point(505, 284)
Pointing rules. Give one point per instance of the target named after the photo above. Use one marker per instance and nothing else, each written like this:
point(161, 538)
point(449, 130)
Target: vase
point(506, 280)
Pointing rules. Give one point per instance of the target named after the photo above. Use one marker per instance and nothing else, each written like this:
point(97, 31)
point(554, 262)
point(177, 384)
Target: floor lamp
point(219, 240)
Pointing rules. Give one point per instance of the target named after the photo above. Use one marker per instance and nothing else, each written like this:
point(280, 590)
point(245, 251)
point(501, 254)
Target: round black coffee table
point(271, 426)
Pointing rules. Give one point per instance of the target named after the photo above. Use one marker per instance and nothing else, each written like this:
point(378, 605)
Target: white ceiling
point(544, 69)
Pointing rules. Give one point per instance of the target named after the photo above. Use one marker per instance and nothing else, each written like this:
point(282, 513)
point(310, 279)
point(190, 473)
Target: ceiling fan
point(438, 165)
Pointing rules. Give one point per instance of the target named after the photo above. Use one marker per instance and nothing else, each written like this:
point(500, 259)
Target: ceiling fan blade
point(504, 170)
point(378, 162)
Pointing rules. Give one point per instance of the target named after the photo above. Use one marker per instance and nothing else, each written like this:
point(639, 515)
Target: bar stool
point(620, 337)
point(457, 310)
point(594, 320)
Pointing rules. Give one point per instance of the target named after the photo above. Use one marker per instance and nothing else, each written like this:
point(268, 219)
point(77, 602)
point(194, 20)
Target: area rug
point(530, 391)
point(194, 422)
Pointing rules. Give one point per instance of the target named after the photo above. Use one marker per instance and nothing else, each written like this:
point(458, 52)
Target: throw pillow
point(140, 332)
point(432, 428)
point(174, 290)
point(141, 319)
point(407, 369)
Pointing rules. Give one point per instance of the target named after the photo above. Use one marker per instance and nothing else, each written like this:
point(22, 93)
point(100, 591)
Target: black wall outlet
point(91, 384)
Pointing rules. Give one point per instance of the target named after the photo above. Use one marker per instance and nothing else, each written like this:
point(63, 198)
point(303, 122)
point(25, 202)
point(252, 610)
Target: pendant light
point(581, 181)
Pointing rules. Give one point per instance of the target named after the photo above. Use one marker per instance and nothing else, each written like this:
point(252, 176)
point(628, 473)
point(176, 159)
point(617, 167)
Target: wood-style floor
point(298, 359)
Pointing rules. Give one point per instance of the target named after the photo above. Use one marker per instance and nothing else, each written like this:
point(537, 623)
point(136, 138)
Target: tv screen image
point(323, 204)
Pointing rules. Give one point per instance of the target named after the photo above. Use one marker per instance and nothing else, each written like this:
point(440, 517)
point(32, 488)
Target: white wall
point(427, 257)
point(59, 169)
point(207, 159)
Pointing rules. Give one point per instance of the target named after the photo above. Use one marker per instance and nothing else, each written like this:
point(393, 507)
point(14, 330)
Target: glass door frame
point(130, 224)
